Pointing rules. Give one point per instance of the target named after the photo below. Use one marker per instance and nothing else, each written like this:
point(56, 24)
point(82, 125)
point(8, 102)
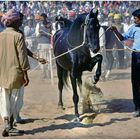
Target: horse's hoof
point(87, 118)
point(61, 107)
point(76, 120)
point(94, 82)
point(5, 132)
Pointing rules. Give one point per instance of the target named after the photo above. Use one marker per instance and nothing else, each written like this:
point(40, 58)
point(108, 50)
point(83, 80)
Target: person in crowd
point(1, 25)
point(102, 40)
point(72, 15)
point(119, 45)
point(110, 19)
point(127, 22)
point(29, 28)
point(13, 71)
point(134, 33)
point(43, 34)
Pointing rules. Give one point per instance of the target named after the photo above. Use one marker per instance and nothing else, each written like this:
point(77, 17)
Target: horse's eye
point(98, 26)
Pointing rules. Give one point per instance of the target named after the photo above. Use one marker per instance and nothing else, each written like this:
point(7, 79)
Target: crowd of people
point(31, 24)
point(35, 12)
point(32, 10)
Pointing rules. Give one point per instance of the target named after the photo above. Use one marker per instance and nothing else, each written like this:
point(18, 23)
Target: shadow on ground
point(115, 105)
point(118, 105)
point(70, 125)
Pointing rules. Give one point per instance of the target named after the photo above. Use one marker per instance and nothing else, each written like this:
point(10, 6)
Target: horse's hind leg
point(60, 85)
point(79, 80)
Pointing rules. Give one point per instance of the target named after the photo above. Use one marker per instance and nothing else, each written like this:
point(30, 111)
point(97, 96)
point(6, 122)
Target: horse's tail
point(66, 79)
point(63, 76)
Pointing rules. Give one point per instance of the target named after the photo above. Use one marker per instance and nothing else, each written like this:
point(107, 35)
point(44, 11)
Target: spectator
point(110, 19)
point(43, 34)
point(13, 71)
point(134, 33)
point(119, 25)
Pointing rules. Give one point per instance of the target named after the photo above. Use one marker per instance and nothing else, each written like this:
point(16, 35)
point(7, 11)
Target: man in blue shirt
point(134, 33)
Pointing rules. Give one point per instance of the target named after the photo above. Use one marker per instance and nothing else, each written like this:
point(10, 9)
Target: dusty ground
point(45, 120)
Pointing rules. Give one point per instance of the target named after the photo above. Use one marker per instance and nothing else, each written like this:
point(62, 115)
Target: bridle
point(84, 36)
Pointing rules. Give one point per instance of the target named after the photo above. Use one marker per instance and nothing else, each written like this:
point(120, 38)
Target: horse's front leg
point(73, 77)
point(97, 59)
point(60, 86)
point(75, 95)
point(60, 102)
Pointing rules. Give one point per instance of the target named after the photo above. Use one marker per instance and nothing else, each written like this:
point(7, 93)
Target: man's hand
point(113, 28)
point(117, 34)
point(42, 61)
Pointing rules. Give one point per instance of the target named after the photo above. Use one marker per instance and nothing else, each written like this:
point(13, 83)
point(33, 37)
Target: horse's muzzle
point(96, 50)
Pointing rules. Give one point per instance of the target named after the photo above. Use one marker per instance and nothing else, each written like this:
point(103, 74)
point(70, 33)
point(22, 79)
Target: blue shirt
point(133, 33)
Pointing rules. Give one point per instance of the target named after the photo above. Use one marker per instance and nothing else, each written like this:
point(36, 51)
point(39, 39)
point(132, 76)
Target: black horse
point(83, 33)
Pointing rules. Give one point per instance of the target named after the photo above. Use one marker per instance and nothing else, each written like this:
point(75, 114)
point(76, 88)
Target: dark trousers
point(120, 54)
point(135, 79)
point(110, 60)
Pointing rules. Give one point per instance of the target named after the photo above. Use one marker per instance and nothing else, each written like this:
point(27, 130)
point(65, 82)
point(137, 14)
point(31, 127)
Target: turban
point(136, 13)
point(127, 15)
point(10, 16)
point(72, 14)
point(117, 16)
point(110, 15)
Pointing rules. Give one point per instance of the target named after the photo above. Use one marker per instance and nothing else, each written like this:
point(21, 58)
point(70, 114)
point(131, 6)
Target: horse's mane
point(67, 22)
point(75, 36)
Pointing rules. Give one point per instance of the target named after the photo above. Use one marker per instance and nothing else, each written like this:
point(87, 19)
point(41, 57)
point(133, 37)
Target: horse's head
point(92, 30)
point(85, 31)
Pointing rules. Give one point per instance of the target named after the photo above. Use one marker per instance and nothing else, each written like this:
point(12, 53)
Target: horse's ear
point(93, 13)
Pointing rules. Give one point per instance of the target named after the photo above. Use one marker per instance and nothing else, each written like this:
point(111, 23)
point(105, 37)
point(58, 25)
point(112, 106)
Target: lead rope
point(69, 44)
point(86, 21)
